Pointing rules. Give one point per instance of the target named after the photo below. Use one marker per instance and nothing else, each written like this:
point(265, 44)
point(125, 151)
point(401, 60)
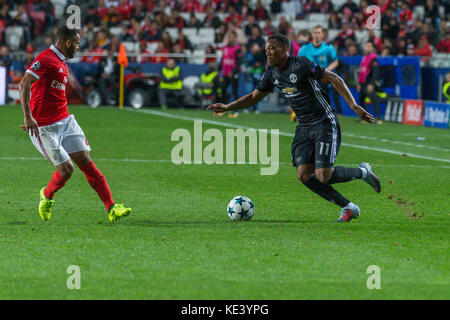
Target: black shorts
point(318, 144)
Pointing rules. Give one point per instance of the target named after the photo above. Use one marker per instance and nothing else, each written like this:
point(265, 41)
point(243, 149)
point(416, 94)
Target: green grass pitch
point(180, 244)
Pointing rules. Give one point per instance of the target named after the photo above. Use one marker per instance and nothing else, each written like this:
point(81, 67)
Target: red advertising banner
point(413, 112)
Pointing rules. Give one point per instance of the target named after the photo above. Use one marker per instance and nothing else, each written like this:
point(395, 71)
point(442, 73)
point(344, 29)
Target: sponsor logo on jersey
point(293, 78)
point(289, 90)
point(58, 85)
point(36, 65)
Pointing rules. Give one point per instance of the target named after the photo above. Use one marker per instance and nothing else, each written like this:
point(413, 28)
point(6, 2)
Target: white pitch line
point(232, 125)
point(281, 163)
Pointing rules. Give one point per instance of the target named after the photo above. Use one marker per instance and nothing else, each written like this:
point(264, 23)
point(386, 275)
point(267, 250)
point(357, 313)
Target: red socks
point(56, 182)
point(98, 183)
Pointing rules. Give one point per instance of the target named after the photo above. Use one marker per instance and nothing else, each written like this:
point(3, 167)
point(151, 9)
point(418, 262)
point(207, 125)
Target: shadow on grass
point(149, 223)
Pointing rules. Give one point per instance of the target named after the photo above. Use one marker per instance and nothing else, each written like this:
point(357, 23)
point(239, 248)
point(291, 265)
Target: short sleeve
point(39, 67)
point(333, 55)
point(310, 69)
point(265, 84)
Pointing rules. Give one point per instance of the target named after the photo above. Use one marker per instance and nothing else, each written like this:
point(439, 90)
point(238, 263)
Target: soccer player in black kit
point(318, 135)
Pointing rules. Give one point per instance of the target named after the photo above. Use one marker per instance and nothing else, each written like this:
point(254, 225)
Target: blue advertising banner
point(436, 114)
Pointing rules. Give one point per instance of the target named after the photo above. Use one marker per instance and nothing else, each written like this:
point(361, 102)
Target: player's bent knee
point(324, 175)
point(303, 177)
point(66, 170)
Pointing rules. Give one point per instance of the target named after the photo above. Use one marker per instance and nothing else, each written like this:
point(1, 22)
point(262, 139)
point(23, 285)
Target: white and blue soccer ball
point(241, 208)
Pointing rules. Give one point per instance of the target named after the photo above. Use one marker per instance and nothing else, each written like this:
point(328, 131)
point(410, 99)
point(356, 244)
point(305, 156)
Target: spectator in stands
point(219, 36)
point(251, 23)
point(183, 41)
point(432, 15)
point(233, 28)
point(245, 10)
point(92, 16)
point(291, 7)
point(326, 6)
point(171, 84)
point(334, 21)
point(388, 48)
point(256, 61)
point(415, 32)
point(161, 18)
point(368, 79)
point(41, 46)
point(114, 44)
point(405, 14)
point(102, 41)
point(23, 19)
point(350, 5)
point(167, 40)
point(346, 33)
point(311, 6)
point(209, 50)
point(107, 76)
point(124, 9)
point(268, 29)
point(140, 58)
point(138, 11)
point(154, 34)
point(230, 64)
point(175, 20)
point(181, 57)
point(233, 16)
point(301, 39)
point(401, 46)
point(194, 22)
point(429, 32)
point(284, 26)
point(190, 6)
point(410, 49)
point(111, 3)
point(275, 7)
point(211, 20)
point(125, 33)
point(389, 25)
point(260, 12)
point(161, 54)
point(6, 61)
point(102, 9)
point(256, 38)
point(444, 44)
point(423, 49)
point(112, 18)
point(372, 37)
point(352, 50)
point(94, 54)
point(29, 58)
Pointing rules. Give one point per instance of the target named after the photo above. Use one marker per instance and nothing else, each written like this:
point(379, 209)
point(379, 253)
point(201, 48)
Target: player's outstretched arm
point(244, 102)
point(340, 86)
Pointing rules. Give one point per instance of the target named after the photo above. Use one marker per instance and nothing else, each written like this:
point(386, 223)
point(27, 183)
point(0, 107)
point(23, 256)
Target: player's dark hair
point(280, 38)
point(65, 34)
point(318, 27)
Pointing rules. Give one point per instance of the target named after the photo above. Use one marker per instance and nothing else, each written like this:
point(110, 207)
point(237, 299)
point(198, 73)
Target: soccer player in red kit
point(53, 131)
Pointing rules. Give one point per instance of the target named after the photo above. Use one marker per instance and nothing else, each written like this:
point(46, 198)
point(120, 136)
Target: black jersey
point(299, 81)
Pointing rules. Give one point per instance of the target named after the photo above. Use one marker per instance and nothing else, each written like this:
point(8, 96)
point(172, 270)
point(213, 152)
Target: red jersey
point(48, 94)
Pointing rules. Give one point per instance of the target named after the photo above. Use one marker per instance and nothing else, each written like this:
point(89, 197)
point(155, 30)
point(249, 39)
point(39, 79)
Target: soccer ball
point(241, 208)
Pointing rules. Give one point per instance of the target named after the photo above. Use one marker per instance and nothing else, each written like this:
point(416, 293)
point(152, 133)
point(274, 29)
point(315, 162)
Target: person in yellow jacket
point(171, 84)
point(211, 83)
point(446, 87)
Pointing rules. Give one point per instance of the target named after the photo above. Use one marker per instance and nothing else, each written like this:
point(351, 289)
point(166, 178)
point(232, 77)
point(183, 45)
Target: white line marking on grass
point(286, 134)
point(281, 163)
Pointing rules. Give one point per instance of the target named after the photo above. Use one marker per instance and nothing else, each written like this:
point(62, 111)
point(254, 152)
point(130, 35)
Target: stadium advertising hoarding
point(413, 112)
point(2, 85)
point(394, 110)
point(436, 114)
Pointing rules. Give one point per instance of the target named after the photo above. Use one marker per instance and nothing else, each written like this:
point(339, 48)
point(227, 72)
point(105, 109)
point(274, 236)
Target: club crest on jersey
point(35, 66)
point(293, 78)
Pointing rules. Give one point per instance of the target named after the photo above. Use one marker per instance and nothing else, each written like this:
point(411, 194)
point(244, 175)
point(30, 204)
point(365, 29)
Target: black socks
point(326, 191)
point(341, 174)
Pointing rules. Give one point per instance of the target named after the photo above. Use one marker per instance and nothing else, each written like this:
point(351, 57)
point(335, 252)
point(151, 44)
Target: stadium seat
point(207, 35)
point(59, 6)
point(186, 16)
point(173, 32)
point(361, 37)
point(332, 34)
point(190, 33)
point(14, 37)
point(151, 46)
point(197, 57)
point(419, 12)
point(129, 46)
point(115, 31)
point(318, 19)
point(298, 25)
point(189, 83)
